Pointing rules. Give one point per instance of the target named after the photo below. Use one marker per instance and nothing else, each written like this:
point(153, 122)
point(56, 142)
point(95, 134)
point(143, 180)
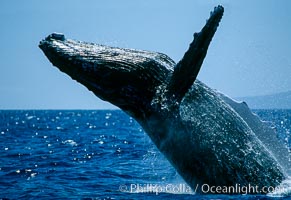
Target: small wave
point(29, 173)
point(70, 142)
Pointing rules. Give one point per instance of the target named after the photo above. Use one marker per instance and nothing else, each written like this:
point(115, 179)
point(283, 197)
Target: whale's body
point(204, 135)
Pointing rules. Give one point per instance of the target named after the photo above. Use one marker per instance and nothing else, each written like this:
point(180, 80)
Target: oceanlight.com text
point(239, 189)
point(204, 188)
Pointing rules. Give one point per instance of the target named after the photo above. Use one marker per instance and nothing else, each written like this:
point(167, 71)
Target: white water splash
point(283, 190)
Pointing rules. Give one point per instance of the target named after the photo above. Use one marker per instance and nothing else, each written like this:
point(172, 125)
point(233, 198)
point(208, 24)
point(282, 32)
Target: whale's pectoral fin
point(188, 68)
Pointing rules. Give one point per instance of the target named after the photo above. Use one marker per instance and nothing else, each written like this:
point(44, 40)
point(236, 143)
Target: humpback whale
point(204, 134)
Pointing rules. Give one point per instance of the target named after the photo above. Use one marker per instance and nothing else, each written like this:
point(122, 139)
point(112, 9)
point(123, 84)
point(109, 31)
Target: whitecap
point(101, 142)
point(108, 115)
point(29, 117)
point(70, 142)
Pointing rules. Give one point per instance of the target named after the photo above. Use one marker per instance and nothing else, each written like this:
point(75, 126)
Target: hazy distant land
point(273, 101)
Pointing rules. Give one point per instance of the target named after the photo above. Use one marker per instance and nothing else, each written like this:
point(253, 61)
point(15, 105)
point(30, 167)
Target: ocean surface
point(88, 154)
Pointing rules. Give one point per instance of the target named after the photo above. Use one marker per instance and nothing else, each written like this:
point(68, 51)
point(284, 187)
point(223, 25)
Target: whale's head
point(125, 77)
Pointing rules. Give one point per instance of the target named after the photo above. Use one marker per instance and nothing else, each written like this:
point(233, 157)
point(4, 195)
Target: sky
point(249, 55)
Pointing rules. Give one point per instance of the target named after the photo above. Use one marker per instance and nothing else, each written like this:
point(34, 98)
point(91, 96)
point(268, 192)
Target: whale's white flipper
point(265, 133)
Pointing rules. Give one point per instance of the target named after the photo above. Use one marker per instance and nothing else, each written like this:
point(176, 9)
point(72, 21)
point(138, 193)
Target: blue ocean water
point(104, 154)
